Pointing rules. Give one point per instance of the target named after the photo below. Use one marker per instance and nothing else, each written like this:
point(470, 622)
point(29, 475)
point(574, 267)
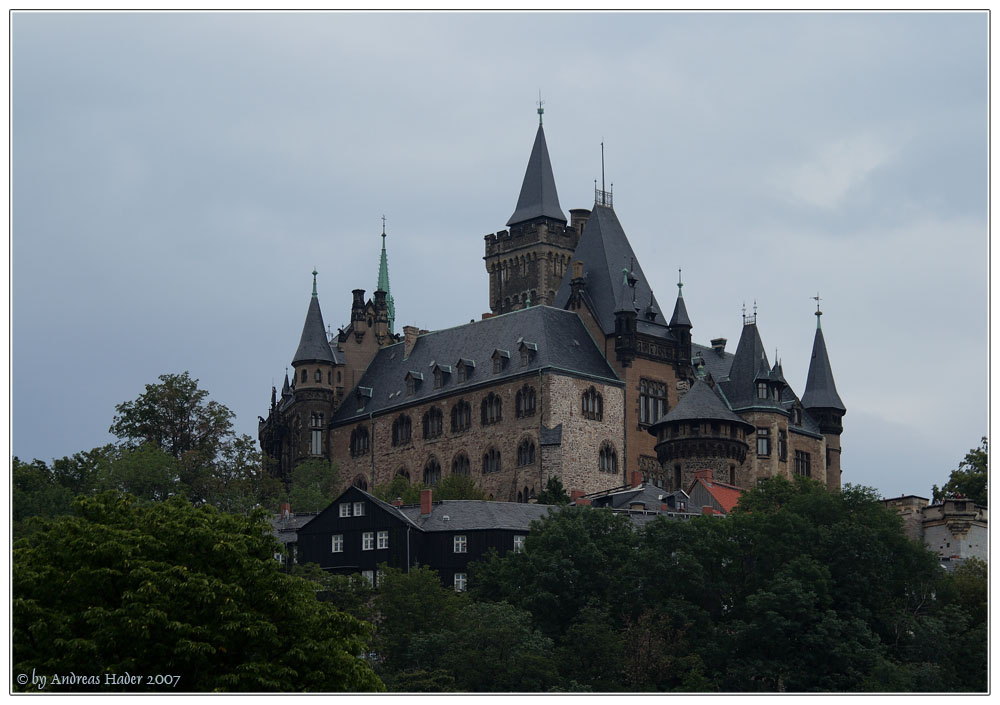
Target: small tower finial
point(680, 284)
point(383, 226)
point(818, 312)
point(744, 313)
point(540, 108)
point(314, 281)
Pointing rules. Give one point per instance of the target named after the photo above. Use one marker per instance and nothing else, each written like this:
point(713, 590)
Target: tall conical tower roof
point(702, 403)
point(749, 366)
point(383, 282)
point(313, 345)
point(680, 317)
point(605, 250)
point(821, 390)
point(538, 190)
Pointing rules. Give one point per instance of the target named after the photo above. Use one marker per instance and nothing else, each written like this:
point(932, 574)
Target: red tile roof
point(726, 495)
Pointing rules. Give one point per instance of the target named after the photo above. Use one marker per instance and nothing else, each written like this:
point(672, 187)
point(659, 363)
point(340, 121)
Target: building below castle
point(955, 528)
point(576, 372)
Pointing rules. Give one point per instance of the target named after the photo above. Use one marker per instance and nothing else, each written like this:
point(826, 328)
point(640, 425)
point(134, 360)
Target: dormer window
point(762, 390)
point(441, 374)
point(413, 380)
point(500, 358)
point(528, 351)
point(465, 368)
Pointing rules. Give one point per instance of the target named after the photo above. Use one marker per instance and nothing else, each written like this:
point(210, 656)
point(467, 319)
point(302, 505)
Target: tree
point(36, 493)
point(175, 416)
point(399, 488)
point(554, 493)
point(178, 590)
point(970, 479)
point(315, 484)
point(458, 487)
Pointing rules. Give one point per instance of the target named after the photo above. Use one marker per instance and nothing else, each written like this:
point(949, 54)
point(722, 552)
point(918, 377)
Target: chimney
point(583, 502)
point(425, 502)
point(410, 334)
point(719, 346)
point(575, 495)
point(704, 474)
point(636, 478)
point(398, 502)
point(578, 219)
point(707, 510)
point(286, 511)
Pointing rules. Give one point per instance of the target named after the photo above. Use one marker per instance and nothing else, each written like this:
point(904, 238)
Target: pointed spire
point(821, 390)
point(538, 197)
point(313, 345)
point(285, 388)
point(680, 317)
point(383, 282)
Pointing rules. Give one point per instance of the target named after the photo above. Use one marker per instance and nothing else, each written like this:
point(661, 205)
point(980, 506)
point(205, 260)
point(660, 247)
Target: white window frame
point(345, 509)
point(383, 539)
point(518, 544)
point(368, 541)
point(359, 509)
point(460, 544)
point(461, 582)
point(337, 544)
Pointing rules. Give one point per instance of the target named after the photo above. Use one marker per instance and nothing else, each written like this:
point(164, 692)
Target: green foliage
point(971, 581)
point(458, 487)
point(399, 488)
point(970, 479)
point(35, 493)
point(554, 493)
point(170, 588)
point(493, 649)
point(174, 416)
point(315, 484)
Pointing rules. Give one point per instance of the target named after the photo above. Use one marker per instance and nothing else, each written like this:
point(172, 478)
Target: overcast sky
point(177, 177)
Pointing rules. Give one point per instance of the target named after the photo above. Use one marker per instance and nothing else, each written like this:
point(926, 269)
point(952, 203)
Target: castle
point(576, 372)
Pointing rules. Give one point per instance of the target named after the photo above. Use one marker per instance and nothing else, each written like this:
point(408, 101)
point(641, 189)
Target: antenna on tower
point(540, 108)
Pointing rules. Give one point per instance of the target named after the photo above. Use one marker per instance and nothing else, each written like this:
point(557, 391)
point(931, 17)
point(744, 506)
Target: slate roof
point(551, 436)
point(313, 345)
point(470, 515)
point(715, 364)
point(749, 365)
point(563, 344)
point(538, 190)
point(680, 317)
point(700, 403)
point(604, 250)
point(821, 391)
point(286, 530)
point(649, 495)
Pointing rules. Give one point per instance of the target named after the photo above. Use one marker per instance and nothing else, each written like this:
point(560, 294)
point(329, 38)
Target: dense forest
point(154, 557)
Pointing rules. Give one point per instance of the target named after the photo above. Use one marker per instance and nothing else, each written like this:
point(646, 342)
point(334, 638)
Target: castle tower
point(383, 285)
point(702, 433)
point(314, 382)
point(823, 403)
point(680, 324)
point(527, 263)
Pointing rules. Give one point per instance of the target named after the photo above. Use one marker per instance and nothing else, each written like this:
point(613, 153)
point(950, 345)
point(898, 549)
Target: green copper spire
point(314, 282)
point(383, 282)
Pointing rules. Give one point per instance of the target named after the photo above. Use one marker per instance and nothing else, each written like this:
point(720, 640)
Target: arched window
point(316, 434)
point(461, 416)
point(491, 409)
point(432, 472)
point(360, 482)
point(525, 401)
point(403, 472)
point(526, 452)
point(491, 461)
point(433, 422)
point(592, 405)
point(359, 441)
point(319, 376)
point(305, 376)
point(608, 459)
point(402, 430)
point(460, 465)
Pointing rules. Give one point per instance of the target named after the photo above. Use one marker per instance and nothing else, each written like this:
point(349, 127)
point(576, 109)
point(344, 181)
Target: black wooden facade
point(359, 532)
